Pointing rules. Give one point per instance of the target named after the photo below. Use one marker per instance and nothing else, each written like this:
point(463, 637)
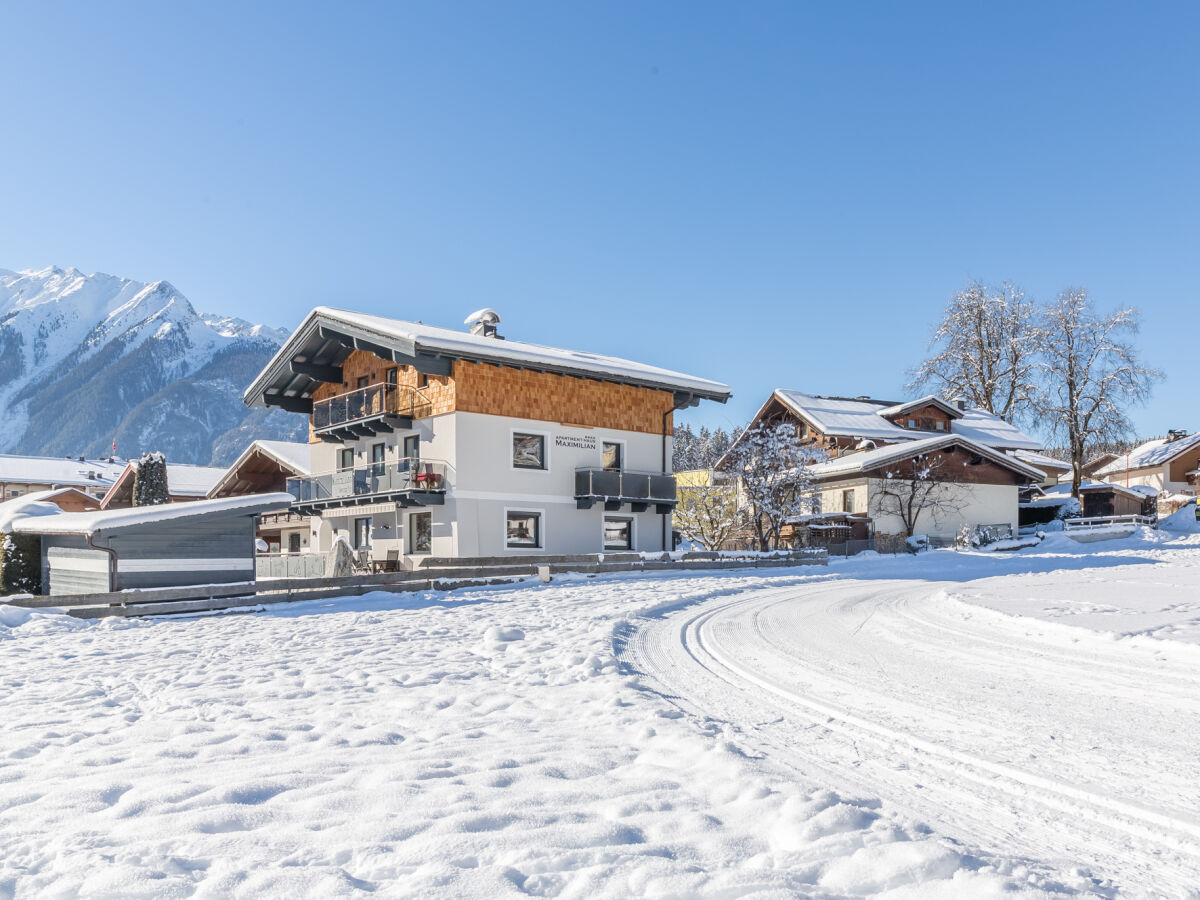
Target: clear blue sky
point(766, 194)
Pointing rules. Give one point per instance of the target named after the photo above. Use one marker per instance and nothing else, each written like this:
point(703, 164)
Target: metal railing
point(281, 518)
point(1102, 521)
point(648, 487)
point(409, 474)
point(366, 402)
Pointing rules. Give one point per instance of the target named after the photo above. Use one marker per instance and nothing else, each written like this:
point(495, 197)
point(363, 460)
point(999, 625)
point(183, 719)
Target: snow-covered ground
point(931, 726)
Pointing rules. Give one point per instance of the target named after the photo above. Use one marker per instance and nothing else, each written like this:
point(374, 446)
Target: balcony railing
point(406, 476)
point(372, 401)
point(275, 519)
point(616, 488)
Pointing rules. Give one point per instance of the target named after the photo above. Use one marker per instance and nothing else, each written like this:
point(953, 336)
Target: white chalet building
point(428, 441)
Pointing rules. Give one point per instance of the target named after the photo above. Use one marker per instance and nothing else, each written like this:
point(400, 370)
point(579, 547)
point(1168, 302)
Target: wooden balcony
point(367, 411)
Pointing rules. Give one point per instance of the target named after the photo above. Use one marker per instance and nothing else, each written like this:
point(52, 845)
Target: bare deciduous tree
point(708, 515)
point(986, 346)
point(1092, 375)
point(919, 489)
point(776, 482)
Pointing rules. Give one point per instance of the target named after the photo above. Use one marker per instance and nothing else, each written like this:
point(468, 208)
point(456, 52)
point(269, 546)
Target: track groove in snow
point(885, 686)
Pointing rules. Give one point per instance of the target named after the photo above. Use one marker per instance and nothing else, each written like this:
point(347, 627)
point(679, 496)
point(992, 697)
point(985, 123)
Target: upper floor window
point(528, 451)
point(848, 501)
point(346, 458)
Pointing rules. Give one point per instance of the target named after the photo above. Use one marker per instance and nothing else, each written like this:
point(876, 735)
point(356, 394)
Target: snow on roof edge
point(463, 345)
point(115, 519)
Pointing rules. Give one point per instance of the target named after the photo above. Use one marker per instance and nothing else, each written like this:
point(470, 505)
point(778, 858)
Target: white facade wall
point(1155, 478)
point(981, 504)
point(483, 485)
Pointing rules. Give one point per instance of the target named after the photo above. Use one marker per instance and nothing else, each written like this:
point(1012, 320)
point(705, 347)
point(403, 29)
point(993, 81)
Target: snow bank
point(1183, 519)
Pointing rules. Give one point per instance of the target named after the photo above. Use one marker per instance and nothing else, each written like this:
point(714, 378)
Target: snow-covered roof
point(865, 418)
point(192, 481)
point(1041, 461)
point(1088, 487)
point(32, 503)
point(36, 518)
point(293, 458)
point(415, 339)
point(58, 470)
point(853, 463)
point(1151, 453)
point(901, 409)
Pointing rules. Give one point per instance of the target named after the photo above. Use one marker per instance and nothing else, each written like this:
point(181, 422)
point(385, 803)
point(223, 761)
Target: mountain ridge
point(89, 359)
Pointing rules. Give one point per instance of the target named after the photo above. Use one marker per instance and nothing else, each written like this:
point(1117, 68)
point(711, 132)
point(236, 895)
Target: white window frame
point(528, 510)
point(546, 443)
point(633, 534)
point(406, 539)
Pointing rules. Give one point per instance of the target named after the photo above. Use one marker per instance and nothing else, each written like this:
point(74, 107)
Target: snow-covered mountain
point(89, 359)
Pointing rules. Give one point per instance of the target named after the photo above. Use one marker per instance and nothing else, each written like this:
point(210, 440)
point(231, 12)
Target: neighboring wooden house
point(429, 441)
point(184, 484)
point(204, 542)
point(265, 467)
point(1169, 465)
point(1089, 470)
point(24, 475)
point(985, 457)
point(66, 499)
point(981, 485)
point(1056, 470)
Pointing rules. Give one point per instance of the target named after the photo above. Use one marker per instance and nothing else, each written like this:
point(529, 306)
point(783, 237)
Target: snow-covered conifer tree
point(150, 480)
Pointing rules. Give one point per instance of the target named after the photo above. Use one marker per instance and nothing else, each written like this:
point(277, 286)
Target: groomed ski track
point(1011, 735)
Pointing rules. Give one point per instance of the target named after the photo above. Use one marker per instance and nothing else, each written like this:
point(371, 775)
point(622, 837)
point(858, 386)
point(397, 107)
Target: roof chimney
point(483, 322)
point(1176, 434)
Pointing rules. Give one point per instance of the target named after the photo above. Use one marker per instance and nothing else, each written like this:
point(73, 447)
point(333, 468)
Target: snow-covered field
point(931, 726)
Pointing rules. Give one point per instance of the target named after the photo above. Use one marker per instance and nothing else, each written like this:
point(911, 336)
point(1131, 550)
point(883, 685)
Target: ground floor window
point(420, 532)
point(523, 529)
point(360, 539)
point(618, 534)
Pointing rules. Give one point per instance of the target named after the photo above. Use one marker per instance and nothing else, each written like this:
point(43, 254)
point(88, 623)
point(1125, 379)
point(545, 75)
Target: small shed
point(1101, 500)
point(172, 545)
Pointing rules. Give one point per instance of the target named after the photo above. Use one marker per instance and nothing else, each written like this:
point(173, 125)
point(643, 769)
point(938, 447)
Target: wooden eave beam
point(318, 372)
point(289, 404)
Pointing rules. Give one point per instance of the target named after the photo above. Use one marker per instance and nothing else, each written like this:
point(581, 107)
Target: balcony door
point(612, 457)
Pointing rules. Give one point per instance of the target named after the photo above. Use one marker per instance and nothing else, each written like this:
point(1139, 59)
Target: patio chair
point(391, 564)
point(362, 562)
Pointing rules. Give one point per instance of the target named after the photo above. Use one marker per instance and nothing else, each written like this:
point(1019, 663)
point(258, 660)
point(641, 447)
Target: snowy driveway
point(828, 733)
point(1018, 736)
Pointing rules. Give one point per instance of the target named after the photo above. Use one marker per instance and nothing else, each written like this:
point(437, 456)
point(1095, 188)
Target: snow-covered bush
point(20, 564)
point(917, 543)
point(150, 480)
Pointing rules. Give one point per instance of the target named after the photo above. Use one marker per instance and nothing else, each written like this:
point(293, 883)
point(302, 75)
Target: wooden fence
point(439, 577)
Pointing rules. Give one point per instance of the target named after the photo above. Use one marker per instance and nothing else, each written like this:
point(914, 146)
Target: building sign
point(576, 441)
